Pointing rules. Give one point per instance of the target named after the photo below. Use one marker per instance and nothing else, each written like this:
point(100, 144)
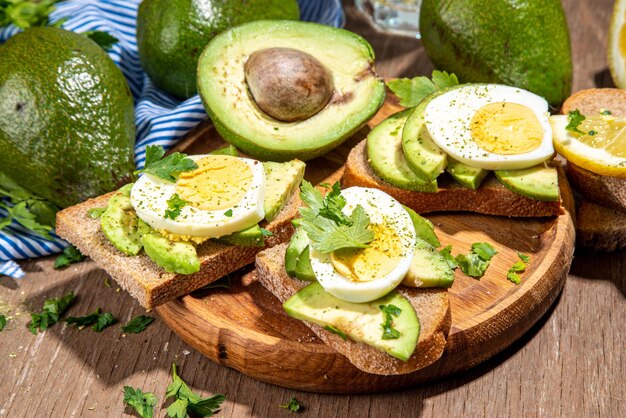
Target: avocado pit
point(288, 84)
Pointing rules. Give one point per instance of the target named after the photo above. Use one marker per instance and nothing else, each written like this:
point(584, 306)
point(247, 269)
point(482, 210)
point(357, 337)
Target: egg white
point(150, 194)
point(380, 207)
point(448, 118)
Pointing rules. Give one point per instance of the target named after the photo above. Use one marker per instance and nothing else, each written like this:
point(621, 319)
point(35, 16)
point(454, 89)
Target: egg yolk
point(506, 128)
point(373, 262)
point(219, 182)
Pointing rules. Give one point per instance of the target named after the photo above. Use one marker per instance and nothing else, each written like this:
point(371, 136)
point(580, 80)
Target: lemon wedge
point(600, 148)
point(617, 44)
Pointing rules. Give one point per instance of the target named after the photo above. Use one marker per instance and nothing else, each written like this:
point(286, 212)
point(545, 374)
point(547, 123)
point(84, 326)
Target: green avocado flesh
point(249, 237)
point(387, 159)
point(174, 257)
point(518, 43)
point(227, 150)
point(424, 229)
point(361, 322)
point(539, 182)
point(66, 116)
point(428, 268)
point(297, 259)
point(171, 34)
point(281, 182)
point(466, 176)
point(358, 91)
point(119, 223)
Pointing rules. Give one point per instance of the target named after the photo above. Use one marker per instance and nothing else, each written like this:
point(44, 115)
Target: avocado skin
point(171, 34)
point(523, 43)
point(66, 116)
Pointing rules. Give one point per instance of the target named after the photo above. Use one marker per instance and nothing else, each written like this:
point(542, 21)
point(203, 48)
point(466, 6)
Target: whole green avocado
point(66, 116)
point(171, 34)
point(523, 43)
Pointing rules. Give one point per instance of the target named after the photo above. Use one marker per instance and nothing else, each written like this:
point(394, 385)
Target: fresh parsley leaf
point(25, 13)
point(484, 250)
point(514, 277)
point(69, 256)
point(175, 204)
point(95, 213)
point(142, 403)
point(186, 402)
point(293, 405)
point(334, 330)
point(22, 214)
point(100, 321)
point(167, 168)
point(327, 236)
point(575, 118)
point(446, 253)
point(229, 213)
point(412, 91)
point(389, 333)
point(104, 39)
point(472, 264)
point(3, 322)
point(332, 206)
point(524, 257)
point(137, 324)
point(606, 112)
point(52, 311)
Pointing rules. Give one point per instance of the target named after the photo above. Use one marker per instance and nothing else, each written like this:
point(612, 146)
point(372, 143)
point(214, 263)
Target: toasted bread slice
point(140, 276)
point(431, 305)
point(605, 190)
point(600, 228)
point(491, 198)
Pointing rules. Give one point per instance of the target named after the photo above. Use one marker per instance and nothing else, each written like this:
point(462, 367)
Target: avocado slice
point(119, 223)
point(174, 256)
point(67, 124)
point(422, 155)
point(387, 159)
point(466, 176)
point(485, 41)
point(281, 182)
point(171, 34)
point(424, 228)
point(297, 244)
point(358, 92)
point(428, 268)
point(249, 237)
point(227, 150)
point(359, 321)
point(540, 182)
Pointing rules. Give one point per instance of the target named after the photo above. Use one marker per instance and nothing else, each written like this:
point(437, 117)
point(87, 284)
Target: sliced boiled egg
point(363, 275)
point(223, 195)
point(491, 126)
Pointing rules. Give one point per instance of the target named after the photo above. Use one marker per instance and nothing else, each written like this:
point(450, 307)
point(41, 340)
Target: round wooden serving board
point(244, 327)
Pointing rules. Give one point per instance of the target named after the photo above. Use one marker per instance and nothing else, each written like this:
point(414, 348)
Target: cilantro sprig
point(328, 228)
point(142, 403)
point(104, 39)
point(412, 91)
point(188, 403)
point(389, 311)
point(52, 311)
point(175, 204)
point(69, 256)
point(292, 406)
point(25, 13)
point(137, 324)
point(167, 168)
point(99, 320)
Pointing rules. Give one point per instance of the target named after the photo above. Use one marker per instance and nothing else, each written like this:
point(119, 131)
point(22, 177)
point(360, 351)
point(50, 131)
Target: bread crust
point(491, 198)
point(431, 305)
point(600, 228)
point(140, 276)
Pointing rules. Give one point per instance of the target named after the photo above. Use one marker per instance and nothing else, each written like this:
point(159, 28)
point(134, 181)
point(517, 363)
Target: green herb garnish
point(167, 168)
point(606, 112)
point(412, 91)
point(293, 405)
point(484, 250)
point(229, 213)
point(475, 263)
point(142, 403)
point(175, 204)
point(3, 322)
point(26, 13)
point(266, 232)
point(575, 119)
point(188, 403)
point(103, 39)
point(100, 321)
point(95, 213)
point(334, 330)
point(389, 311)
point(518, 267)
point(52, 311)
point(69, 256)
point(137, 324)
point(328, 228)
point(446, 253)
point(524, 257)
point(514, 277)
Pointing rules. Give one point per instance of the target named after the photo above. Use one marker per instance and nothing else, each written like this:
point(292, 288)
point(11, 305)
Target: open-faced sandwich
point(484, 148)
point(186, 222)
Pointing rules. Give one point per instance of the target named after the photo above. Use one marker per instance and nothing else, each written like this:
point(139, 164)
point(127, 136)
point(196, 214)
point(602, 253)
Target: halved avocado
point(357, 91)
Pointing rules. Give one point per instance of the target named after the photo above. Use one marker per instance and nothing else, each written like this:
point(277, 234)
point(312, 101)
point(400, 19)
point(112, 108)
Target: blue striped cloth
point(160, 119)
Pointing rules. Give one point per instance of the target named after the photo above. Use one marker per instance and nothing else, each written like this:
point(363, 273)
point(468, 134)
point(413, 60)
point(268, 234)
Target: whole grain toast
point(491, 198)
point(431, 305)
point(600, 228)
point(140, 276)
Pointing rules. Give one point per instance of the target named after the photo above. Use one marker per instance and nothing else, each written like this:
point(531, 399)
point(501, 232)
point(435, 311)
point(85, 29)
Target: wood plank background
point(572, 363)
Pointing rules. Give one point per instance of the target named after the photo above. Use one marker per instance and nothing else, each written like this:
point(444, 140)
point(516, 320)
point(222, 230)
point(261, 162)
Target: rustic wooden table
point(572, 363)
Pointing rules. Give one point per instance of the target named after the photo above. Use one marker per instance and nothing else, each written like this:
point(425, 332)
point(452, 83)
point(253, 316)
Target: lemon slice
point(617, 44)
point(601, 148)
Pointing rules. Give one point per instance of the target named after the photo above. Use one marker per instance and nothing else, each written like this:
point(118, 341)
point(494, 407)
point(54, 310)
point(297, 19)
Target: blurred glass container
point(395, 16)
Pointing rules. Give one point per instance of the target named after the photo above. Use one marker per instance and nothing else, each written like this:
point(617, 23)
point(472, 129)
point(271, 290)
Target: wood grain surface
point(572, 363)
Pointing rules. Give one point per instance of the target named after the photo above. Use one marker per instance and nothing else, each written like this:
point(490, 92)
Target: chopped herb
point(95, 213)
point(389, 333)
point(514, 277)
point(167, 168)
point(518, 267)
point(107, 282)
point(103, 39)
point(142, 403)
point(266, 233)
point(69, 256)
point(446, 253)
point(334, 330)
point(26, 13)
point(188, 403)
point(472, 265)
point(52, 311)
point(293, 405)
point(592, 133)
point(229, 213)
point(606, 112)
point(484, 250)
point(575, 119)
point(325, 185)
point(175, 204)
point(137, 324)
point(524, 257)
point(412, 91)
point(100, 321)
point(3, 322)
